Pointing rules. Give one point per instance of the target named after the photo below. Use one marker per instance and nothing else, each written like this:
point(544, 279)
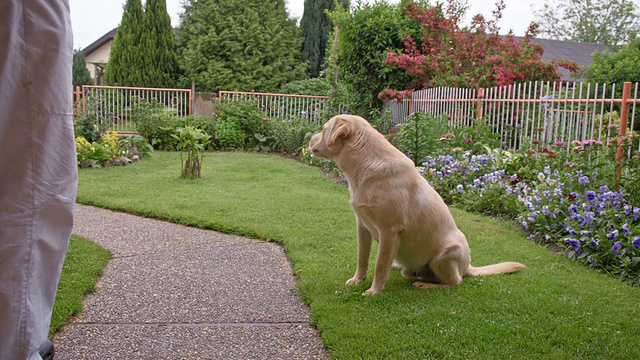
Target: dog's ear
point(342, 128)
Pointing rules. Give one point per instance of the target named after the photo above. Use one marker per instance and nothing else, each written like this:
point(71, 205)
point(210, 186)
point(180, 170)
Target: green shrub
point(316, 87)
point(229, 134)
point(87, 125)
point(157, 124)
point(291, 136)
point(248, 118)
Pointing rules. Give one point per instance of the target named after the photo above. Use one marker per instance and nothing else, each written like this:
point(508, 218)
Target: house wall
point(100, 55)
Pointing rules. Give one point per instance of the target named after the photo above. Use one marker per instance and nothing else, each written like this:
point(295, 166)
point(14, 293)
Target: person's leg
point(38, 170)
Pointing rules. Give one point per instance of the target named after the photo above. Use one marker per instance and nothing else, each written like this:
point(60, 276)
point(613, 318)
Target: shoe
point(46, 350)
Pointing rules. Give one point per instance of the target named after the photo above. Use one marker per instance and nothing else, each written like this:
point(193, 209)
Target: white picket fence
point(113, 105)
point(542, 112)
point(283, 106)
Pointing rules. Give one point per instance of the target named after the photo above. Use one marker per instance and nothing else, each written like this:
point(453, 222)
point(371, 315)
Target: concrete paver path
point(175, 292)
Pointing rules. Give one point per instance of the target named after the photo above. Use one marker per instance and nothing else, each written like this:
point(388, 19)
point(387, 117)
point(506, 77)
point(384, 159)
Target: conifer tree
point(315, 26)
point(158, 47)
point(81, 74)
point(126, 66)
point(239, 45)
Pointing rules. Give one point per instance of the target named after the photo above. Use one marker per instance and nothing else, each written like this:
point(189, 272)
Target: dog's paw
point(354, 281)
point(371, 291)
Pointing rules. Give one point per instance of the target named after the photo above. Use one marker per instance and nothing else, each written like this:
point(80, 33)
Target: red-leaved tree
point(448, 55)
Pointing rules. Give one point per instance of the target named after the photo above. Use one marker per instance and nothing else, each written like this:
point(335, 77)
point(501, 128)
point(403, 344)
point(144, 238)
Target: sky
point(93, 18)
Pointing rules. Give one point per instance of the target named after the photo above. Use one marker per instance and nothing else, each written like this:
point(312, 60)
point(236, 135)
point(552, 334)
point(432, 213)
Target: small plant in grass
point(192, 142)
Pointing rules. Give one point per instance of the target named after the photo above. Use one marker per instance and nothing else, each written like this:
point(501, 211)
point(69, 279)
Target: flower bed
point(560, 204)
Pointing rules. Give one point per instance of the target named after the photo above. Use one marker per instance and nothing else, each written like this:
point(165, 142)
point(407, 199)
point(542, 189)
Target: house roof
point(101, 41)
point(579, 52)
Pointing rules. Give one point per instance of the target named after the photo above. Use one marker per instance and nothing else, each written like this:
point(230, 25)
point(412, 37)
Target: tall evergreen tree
point(239, 45)
point(81, 74)
point(158, 46)
point(315, 26)
point(126, 65)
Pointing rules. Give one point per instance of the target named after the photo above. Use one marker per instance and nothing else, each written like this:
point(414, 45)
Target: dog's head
point(335, 133)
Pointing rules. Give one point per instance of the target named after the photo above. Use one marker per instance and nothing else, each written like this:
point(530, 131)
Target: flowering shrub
point(394, 95)
point(448, 55)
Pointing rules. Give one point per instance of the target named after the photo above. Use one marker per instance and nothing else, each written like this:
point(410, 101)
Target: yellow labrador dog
point(395, 205)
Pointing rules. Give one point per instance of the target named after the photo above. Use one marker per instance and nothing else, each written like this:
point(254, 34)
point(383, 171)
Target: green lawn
point(553, 309)
point(82, 266)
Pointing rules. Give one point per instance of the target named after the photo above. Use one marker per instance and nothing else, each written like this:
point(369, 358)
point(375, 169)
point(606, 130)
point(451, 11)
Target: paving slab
point(175, 292)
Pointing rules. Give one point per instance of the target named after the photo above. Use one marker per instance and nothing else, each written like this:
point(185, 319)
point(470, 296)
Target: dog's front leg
point(364, 251)
point(387, 249)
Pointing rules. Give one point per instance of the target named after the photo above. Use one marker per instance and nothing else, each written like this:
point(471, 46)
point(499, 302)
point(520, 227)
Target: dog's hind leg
point(447, 267)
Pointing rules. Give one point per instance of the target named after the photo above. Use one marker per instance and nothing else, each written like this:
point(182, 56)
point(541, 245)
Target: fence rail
point(114, 106)
point(538, 112)
point(283, 106)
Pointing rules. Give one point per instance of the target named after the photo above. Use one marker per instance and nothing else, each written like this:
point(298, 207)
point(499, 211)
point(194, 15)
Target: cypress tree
point(125, 67)
point(158, 46)
point(239, 45)
point(81, 74)
point(315, 26)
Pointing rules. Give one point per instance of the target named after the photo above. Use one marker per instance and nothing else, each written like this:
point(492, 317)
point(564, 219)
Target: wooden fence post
point(622, 131)
point(479, 102)
point(76, 99)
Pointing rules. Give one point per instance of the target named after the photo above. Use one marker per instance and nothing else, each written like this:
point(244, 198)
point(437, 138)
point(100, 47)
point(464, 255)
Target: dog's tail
point(501, 268)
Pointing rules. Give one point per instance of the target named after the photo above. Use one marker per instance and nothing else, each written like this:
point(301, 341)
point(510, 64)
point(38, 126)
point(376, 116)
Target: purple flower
point(573, 209)
point(617, 246)
point(591, 196)
point(571, 231)
point(460, 188)
point(589, 216)
point(575, 243)
point(583, 180)
point(612, 235)
point(594, 244)
point(625, 229)
point(636, 242)
point(636, 213)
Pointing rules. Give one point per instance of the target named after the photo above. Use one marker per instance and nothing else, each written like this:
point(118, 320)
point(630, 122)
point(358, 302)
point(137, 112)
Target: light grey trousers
point(38, 170)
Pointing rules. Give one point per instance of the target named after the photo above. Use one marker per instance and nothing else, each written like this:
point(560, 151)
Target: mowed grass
point(553, 309)
point(82, 266)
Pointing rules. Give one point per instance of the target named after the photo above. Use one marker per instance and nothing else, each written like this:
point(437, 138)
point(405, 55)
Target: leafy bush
point(291, 136)
point(316, 86)
point(245, 117)
point(87, 125)
point(157, 124)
